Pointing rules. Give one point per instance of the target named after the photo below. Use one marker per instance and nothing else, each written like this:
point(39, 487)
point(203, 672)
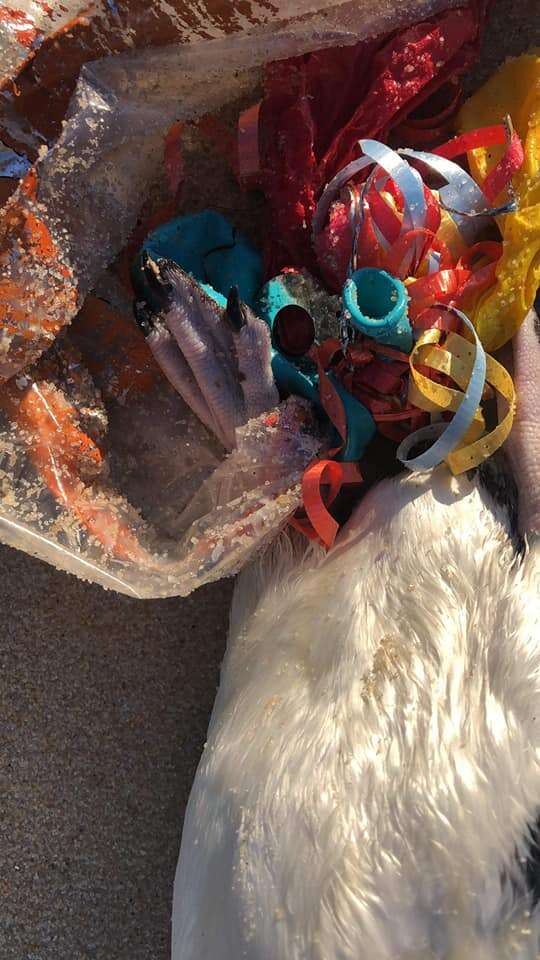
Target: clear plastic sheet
point(24, 24)
point(102, 27)
point(104, 471)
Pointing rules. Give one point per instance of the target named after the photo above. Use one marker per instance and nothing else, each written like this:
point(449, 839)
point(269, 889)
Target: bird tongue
point(524, 441)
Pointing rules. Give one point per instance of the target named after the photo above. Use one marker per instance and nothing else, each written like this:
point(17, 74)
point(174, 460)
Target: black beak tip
point(157, 272)
point(235, 310)
point(153, 280)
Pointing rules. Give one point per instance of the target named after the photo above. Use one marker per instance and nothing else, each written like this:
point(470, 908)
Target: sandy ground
point(104, 706)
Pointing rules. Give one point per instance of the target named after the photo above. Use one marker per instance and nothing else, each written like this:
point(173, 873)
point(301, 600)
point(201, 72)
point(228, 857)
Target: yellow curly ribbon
point(515, 91)
point(456, 360)
point(469, 455)
point(435, 397)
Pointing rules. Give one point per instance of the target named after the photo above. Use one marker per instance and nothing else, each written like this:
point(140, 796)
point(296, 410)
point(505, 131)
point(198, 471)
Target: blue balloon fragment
point(209, 248)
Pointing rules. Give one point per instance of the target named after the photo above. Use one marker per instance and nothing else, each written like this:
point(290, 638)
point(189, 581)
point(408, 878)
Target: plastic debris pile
point(401, 250)
point(412, 242)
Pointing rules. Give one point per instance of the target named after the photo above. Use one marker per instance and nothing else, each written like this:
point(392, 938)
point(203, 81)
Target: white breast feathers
point(372, 765)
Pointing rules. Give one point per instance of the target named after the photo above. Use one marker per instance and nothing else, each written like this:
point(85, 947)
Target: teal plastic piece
point(303, 381)
point(208, 247)
point(300, 379)
point(299, 375)
point(377, 304)
point(360, 424)
point(296, 375)
point(274, 296)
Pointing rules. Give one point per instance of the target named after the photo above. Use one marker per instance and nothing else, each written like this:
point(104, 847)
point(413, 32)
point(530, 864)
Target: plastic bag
point(104, 470)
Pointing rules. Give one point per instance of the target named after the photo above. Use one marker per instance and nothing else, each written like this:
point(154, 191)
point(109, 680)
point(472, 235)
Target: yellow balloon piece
point(515, 91)
point(456, 360)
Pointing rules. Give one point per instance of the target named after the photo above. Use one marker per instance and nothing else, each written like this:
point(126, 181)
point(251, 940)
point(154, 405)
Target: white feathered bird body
point(372, 769)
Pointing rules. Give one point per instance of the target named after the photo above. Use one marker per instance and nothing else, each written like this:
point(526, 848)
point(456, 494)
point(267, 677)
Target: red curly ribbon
point(442, 286)
point(481, 137)
point(483, 276)
point(504, 170)
point(319, 525)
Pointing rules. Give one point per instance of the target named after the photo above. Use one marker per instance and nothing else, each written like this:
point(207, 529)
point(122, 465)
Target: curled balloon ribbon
point(503, 171)
point(324, 478)
point(407, 180)
point(319, 524)
point(463, 442)
point(398, 224)
point(431, 240)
